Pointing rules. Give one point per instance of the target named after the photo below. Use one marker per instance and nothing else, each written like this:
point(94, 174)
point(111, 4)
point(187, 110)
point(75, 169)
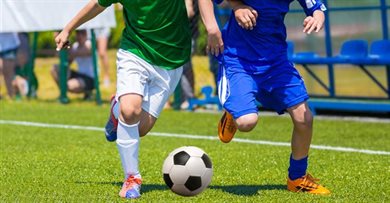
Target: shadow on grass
point(241, 190)
point(247, 190)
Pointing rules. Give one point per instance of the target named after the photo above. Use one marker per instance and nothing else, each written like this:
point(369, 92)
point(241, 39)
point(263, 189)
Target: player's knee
point(304, 120)
point(246, 123)
point(130, 113)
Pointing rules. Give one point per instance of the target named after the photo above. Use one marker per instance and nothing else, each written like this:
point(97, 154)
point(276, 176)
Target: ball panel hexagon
point(181, 158)
point(206, 177)
point(168, 180)
point(168, 163)
point(207, 161)
point(195, 166)
point(180, 189)
point(178, 174)
point(193, 183)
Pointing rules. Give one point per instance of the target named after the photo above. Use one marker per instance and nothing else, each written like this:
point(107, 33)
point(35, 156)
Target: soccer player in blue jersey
point(252, 52)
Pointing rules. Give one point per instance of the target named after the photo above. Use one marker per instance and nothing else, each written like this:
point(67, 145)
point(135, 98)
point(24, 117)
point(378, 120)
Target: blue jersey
point(264, 46)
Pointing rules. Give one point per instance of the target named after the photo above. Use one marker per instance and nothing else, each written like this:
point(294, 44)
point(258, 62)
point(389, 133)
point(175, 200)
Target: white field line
point(200, 137)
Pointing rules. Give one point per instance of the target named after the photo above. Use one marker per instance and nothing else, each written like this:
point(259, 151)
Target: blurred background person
point(9, 43)
point(20, 82)
point(188, 80)
point(102, 36)
point(82, 80)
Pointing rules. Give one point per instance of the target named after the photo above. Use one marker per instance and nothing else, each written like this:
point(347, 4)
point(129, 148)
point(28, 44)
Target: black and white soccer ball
point(187, 171)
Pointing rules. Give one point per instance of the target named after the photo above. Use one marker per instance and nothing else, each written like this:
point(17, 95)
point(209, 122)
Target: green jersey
point(156, 30)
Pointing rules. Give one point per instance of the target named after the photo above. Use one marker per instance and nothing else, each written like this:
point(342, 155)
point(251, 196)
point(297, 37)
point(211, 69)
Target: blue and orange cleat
point(307, 184)
point(131, 188)
point(112, 123)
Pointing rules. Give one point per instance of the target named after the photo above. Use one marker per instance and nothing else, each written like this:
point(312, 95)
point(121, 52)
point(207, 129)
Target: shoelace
point(131, 180)
point(310, 182)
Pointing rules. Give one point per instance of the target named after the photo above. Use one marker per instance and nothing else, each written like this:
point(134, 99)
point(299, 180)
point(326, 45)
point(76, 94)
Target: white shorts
point(155, 84)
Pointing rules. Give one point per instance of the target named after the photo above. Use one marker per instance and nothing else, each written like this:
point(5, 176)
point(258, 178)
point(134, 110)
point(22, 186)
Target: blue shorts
point(277, 88)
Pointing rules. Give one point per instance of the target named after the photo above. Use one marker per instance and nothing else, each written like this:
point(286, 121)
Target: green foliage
point(41, 164)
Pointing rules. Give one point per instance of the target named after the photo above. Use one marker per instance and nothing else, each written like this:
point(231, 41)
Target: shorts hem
point(294, 102)
point(245, 112)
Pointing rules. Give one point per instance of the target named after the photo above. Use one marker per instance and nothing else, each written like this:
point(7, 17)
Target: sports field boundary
point(199, 137)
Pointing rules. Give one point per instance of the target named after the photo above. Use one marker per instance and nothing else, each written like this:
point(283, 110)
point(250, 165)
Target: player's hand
point(214, 42)
point(246, 16)
point(62, 41)
point(314, 23)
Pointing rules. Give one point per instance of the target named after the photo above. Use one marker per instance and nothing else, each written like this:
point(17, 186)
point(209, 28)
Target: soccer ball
point(187, 171)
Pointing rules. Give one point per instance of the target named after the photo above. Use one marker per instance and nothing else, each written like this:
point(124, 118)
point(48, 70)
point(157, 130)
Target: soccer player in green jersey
point(156, 42)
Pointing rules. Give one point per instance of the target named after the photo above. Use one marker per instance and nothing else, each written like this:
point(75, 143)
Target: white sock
point(128, 146)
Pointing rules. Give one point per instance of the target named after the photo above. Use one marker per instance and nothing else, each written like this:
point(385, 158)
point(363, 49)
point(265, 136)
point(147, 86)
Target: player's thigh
point(283, 90)
point(236, 92)
point(162, 85)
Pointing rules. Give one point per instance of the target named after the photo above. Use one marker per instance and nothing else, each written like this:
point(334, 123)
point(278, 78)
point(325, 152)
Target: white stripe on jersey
point(310, 3)
point(223, 87)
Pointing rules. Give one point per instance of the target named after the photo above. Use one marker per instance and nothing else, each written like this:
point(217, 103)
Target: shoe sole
point(221, 130)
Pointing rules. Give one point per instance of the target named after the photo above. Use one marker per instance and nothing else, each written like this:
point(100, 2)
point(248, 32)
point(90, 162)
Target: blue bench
point(353, 52)
point(208, 98)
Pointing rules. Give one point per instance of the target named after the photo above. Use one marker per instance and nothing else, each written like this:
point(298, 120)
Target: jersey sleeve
point(107, 3)
point(312, 5)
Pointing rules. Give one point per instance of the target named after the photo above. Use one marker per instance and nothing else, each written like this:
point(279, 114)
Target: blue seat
point(353, 51)
point(207, 91)
point(380, 52)
point(290, 50)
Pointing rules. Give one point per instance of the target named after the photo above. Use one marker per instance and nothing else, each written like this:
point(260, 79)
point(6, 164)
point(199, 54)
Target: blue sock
point(297, 168)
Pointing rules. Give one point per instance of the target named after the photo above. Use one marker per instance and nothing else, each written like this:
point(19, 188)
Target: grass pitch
point(46, 164)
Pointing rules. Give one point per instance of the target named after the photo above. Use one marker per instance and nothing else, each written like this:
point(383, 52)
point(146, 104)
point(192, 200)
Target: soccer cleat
point(226, 128)
point(112, 123)
point(307, 184)
point(131, 188)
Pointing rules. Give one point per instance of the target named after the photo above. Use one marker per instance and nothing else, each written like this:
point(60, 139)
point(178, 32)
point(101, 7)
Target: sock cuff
point(304, 158)
point(128, 125)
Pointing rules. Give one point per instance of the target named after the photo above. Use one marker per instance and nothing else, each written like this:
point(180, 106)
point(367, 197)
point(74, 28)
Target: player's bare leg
point(247, 122)
point(299, 180)
point(302, 119)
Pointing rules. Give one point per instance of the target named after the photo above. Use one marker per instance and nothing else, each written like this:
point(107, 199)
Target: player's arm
point(190, 8)
point(245, 15)
point(214, 36)
point(315, 19)
point(89, 11)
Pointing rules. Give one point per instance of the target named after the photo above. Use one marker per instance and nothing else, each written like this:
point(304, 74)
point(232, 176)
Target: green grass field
point(51, 164)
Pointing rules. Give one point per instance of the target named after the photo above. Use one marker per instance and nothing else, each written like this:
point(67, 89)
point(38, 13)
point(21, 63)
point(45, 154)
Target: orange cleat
point(226, 127)
point(306, 184)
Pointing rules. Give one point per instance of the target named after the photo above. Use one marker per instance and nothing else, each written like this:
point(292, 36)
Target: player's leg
point(142, 92)
point(302, 119)
point(236, 91)
point(286, 91)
